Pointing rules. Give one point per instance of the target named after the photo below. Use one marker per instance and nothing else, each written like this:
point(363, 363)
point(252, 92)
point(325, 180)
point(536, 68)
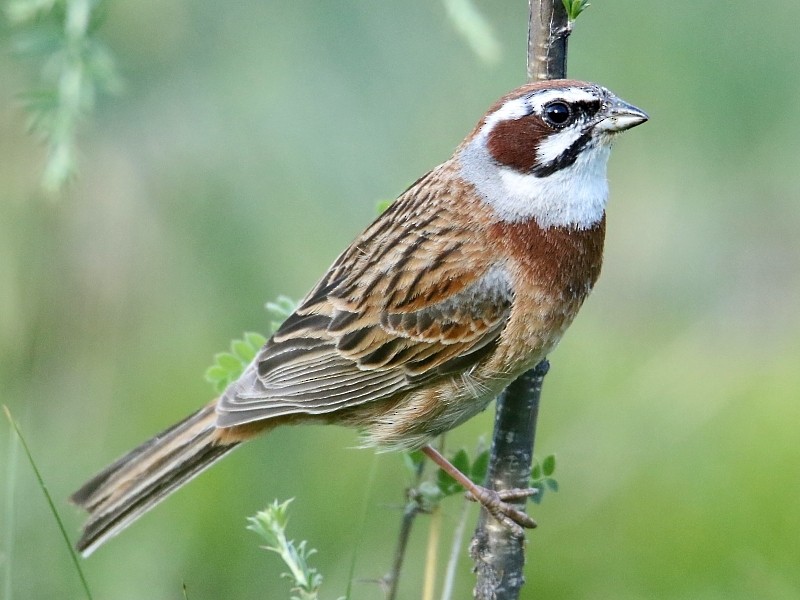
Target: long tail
point(134, 484)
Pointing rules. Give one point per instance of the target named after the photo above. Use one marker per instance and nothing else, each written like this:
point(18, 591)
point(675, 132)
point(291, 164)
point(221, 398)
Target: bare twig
point(413, 507)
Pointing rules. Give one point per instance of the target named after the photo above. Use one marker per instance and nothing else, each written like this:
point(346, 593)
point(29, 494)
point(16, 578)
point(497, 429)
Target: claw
point(495, 503)
point(512, 494)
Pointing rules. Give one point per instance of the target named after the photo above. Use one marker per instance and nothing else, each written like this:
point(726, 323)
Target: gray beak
point(621, 116)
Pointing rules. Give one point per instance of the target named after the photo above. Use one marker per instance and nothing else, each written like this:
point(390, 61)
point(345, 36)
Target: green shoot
point(574, 8)
point(271, 524)
point(76, 66)
point(542, 476)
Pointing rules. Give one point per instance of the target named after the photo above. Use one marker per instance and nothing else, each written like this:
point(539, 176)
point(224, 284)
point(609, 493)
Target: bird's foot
point(496, 504)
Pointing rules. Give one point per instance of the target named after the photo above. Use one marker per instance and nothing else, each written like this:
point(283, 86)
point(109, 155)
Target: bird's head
point(541, 151)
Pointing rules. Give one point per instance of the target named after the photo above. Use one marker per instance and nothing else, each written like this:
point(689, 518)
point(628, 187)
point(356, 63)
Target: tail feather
point(135, 483)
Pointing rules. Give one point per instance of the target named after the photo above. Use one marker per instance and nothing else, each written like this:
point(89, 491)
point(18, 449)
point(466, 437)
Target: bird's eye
point(557, 113)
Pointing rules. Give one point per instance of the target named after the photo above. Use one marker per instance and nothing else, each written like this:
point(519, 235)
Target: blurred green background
point(252, 143)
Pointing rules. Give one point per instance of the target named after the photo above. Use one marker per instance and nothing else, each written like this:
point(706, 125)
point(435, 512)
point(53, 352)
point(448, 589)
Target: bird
point(467, 280)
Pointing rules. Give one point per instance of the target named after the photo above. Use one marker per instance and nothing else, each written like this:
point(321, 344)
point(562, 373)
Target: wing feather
point(414, 298)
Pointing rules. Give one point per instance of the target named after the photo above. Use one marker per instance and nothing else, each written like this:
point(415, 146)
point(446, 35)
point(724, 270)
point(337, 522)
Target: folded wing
point(413, 299)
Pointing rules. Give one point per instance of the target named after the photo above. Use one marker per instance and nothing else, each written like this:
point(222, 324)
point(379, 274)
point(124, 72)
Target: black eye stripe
point(586, 107)
point(515, 133)
point(581, 107)
point(565, 159)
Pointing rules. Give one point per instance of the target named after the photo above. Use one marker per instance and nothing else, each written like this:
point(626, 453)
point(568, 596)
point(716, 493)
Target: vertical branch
point(548, 31)
point(498, 554)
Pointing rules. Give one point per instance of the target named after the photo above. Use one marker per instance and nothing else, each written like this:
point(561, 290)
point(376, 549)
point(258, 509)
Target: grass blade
point(369, 488)
point(50, 502)
point(8, 512)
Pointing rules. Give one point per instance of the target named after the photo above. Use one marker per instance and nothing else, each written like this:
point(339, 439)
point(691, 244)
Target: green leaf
point(216, 373)
point(228, 366)
point(229, 362)
point(282, 307)
point(480, 467)
point(243, 351)
point(256, 340)
point(279, 311)
point(536, 471)
point(552, 484)
point(575, 7)
point(549, 465)
point(446, 483)
point(412, 460)
point(461, 461)
point(100, 63)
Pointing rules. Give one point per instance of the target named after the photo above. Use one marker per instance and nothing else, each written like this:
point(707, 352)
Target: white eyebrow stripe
point(535, 103)
point(569, 95)
point(511, 110)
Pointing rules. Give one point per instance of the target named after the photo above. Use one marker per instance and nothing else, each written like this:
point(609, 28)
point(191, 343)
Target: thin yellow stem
point(431, 556)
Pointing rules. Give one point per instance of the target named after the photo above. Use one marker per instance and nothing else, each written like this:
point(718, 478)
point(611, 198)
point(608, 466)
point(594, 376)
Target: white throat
point(574, 196)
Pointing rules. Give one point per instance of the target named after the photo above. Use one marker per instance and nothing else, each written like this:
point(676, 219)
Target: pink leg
point(491, 500)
